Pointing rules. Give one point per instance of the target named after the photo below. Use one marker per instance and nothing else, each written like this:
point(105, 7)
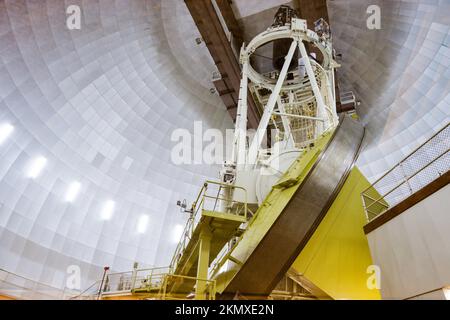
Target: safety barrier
point(424, 165)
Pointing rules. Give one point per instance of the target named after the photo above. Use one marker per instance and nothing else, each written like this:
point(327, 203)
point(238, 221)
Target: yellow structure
point(337, 256)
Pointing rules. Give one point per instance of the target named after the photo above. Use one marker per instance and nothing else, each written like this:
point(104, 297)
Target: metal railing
point(18, 287)
point(125, 282)
point(154, 283)
point(149, 279)
point(93, 292)
point(188, 229)
point(221, 197)
point(424, 165)
point(213, 196)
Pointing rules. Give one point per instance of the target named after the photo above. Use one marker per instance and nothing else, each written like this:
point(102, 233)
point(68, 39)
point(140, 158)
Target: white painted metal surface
point(400, 74)
point(413, 249)
point(99, 104)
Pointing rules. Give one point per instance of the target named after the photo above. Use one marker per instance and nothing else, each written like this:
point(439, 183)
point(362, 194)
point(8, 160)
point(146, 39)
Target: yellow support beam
point(203, 263)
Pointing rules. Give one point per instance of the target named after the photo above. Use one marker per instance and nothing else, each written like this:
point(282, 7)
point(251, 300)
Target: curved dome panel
point(86, 176)
point(400, 73)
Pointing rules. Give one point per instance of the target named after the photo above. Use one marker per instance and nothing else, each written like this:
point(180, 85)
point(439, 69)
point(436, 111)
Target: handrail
point(152, 274)
point(437, 146)
point(133, 276)
point(155, 279)
point(200, 204)
point(188, 229)
point(37, 290)
point(83, 293)
point(224, 186)
point(409, 155)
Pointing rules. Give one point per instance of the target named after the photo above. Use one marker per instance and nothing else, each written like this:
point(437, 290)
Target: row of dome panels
point(99, 104)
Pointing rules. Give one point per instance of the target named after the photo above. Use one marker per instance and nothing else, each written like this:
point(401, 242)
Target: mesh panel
point(427, 163)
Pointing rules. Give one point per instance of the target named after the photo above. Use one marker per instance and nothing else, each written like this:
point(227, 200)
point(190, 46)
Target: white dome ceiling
point(98, 106)
point(401, 73)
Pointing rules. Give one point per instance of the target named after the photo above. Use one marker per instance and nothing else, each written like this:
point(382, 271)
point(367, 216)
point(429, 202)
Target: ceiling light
point(72, 191)
point(142, 223)
point(108, 210)
point(5, 131)
point(177, 233)
point(35, 167)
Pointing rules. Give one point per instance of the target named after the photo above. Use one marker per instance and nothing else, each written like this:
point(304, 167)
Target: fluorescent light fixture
point(72, 191)
point(142, 223)
point(177, 233)
point(5, 131)
point(35, 167)
point(108, 210)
